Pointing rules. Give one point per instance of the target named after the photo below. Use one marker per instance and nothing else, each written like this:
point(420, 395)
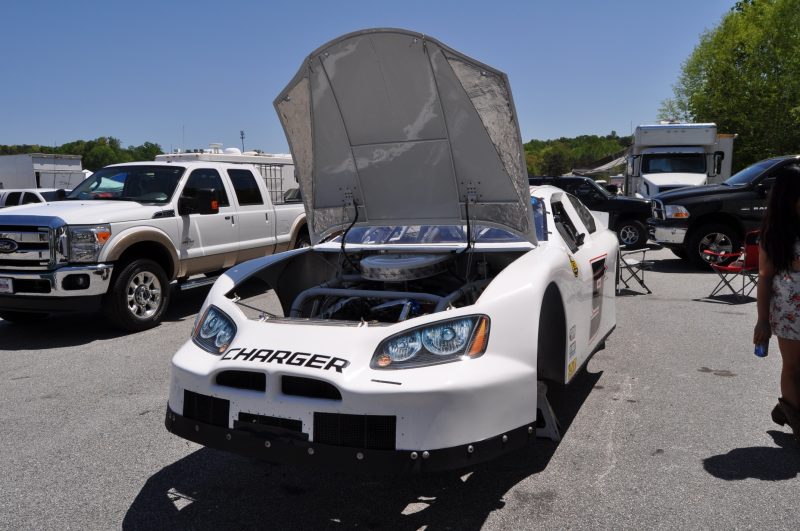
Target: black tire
point(632, 234)
point(303, 240)
point(22, 317)
point(680, 252)
point(138, 297)
point(716, 237)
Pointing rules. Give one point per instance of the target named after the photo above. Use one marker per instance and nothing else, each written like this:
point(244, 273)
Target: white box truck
point(666, 156)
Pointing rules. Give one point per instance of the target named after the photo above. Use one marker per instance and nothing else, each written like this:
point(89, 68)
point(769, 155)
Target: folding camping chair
point(631, 266)
point(729, 266)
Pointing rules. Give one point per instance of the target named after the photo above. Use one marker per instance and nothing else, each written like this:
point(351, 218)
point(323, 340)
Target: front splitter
point(277, 447)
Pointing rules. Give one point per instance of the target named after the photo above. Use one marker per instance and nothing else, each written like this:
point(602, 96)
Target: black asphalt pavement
point(668, 427)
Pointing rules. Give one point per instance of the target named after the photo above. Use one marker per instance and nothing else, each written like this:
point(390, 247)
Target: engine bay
point(372, 287)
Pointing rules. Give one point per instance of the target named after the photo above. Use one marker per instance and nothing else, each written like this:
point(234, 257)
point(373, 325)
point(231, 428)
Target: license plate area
point(6, 285)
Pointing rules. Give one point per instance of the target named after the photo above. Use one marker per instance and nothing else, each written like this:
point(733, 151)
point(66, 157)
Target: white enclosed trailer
point(667, 156)
point(40, 170)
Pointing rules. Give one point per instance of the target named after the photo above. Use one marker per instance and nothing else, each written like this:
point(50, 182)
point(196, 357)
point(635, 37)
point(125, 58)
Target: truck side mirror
point(719, 156)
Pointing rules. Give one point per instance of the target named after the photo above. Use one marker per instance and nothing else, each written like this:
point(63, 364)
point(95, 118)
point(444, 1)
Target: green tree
point(744, 75)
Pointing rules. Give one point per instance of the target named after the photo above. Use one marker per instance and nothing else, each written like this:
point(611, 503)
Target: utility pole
point(241, 135)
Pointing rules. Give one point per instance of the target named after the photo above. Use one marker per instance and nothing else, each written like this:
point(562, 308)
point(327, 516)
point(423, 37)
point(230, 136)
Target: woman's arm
point(766, 271)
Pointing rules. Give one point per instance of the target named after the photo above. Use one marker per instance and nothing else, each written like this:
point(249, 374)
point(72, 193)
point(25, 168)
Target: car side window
point(206, 178)
point(13, 198)
point(539, 218)
point(586, 217)
point(246, 187)
point(566, 227)
point(30, 198)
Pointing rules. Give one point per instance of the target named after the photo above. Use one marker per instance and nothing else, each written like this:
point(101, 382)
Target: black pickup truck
point(627, 216)
point(715, 217)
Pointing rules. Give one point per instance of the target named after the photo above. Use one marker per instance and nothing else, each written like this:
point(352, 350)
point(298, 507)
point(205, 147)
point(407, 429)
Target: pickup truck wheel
point(715, 237)
point(632, 234)
point(139, 296)
point(303, 240)
point(22, 317)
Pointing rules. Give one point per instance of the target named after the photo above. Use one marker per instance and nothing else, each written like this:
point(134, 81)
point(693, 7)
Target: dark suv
point(627, 216)
point(714, 217)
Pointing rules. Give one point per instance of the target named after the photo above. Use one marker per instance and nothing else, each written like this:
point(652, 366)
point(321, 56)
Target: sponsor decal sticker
point(571, 368)
point(573, 348)
point(572, 332)
point(287, 357)
point(574, 265)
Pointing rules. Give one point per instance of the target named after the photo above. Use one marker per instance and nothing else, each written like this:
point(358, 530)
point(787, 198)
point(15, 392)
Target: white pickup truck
point(122, 237)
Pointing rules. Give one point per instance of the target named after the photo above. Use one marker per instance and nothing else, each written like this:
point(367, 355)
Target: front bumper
point(280, 446)
point(667, 234)
point(52, 283)
point(49, 291)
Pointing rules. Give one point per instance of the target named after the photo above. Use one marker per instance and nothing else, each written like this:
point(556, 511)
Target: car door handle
point(266, 215)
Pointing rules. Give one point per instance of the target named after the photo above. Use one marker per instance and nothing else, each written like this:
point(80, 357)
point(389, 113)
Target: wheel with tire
point(632, 234)
point(22, 317)
point(716, 237)
point(303, 240)
point(138, 297)
point(680, 252)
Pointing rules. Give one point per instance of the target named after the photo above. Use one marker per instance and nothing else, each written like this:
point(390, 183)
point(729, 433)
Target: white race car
point(438, 290)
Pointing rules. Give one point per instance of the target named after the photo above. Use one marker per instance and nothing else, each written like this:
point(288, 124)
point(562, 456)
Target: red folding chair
point(732, 266)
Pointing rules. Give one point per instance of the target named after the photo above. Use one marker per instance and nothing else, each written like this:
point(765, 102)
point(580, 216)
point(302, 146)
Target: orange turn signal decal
point(480, 339)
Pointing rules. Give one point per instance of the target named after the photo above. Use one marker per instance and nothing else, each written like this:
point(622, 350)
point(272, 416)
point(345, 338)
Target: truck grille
point(32, 247)
point(658, 209)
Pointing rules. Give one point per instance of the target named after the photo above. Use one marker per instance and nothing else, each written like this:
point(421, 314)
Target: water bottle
point(762, 349)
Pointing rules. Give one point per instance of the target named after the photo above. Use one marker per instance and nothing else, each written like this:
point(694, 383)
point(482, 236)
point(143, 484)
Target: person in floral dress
point(778, 295)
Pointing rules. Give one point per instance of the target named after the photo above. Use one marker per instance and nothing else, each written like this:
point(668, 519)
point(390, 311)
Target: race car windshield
point(426, 234)
point(145, 184)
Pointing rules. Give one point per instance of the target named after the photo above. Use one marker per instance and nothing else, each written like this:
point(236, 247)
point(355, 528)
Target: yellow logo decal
point(571, 368)
point(574, 265)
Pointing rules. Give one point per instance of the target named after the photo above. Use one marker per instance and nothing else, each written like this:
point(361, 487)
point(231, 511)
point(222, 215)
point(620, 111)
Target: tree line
point(94, 154)
point(744, 75)
point(559, 156)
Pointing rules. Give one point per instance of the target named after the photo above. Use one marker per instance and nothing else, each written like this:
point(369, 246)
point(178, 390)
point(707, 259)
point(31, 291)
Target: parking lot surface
point(668, 427)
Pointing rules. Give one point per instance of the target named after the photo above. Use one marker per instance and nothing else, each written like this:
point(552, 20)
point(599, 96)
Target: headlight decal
point(214, 331)
point(435, 343)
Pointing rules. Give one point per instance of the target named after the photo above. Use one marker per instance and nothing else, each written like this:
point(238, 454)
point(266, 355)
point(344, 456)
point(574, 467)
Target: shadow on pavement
point(67, 330)
point(758, 462)
point(676, 265)
point(730, 299)
point(209, 489)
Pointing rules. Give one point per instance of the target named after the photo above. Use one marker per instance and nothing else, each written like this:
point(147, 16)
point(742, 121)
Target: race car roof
point(396, 128)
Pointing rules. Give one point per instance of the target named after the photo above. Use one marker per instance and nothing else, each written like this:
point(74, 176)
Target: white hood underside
point(408, 131)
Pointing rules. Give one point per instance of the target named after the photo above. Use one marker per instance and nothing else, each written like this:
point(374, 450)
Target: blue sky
point(187, 73)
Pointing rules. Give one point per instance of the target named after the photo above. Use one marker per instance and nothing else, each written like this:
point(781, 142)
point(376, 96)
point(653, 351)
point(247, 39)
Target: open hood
point(407, 131)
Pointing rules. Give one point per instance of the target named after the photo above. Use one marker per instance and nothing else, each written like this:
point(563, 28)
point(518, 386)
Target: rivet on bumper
point(414, 455)
point(425, 454)
point(505, 438)
point(310, 451)
point(530, 429)
point(228, 436)
point(359, 456)
point(470, 449)
point(267, 444)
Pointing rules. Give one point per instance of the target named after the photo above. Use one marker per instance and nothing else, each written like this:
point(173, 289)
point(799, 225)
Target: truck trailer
point(40, 170)
point(667, 156)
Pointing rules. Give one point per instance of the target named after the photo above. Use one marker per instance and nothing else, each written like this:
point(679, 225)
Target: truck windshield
point(674, 163)
point(145, 184)
point(747, 175)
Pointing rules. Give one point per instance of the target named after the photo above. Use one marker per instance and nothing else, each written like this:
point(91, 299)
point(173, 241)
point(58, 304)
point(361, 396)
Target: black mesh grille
point(253, 381)
point(375, 432)
point(24, 263)
point(309, 388)
point(275, 422)
point(206, 409)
